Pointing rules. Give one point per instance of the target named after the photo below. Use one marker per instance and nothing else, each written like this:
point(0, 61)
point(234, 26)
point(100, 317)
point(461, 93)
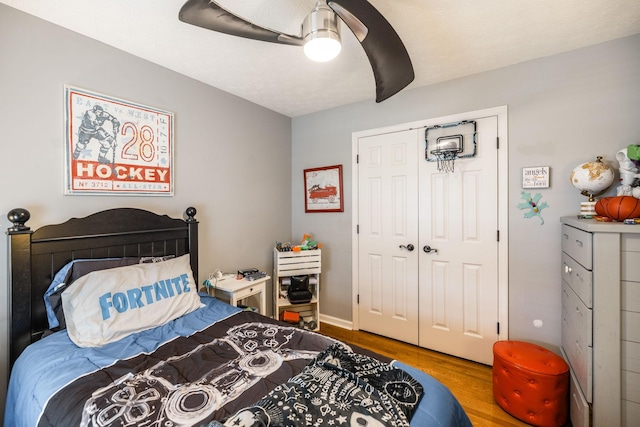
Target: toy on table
point(629, 159)
point(305, 245)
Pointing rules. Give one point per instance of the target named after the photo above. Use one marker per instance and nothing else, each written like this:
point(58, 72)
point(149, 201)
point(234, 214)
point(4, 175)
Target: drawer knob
point(579, 242)
point(567, 269)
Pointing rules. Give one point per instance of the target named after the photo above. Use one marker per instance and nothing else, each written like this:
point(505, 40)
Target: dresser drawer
point(630, 296)
point(629, 330)
point(631, 386)
point(630, 243)
point(250, 290)
point(577, 244)
point(629, 268)
point(579, 409)
point(580, 355)
point(579, 318)
point(630, 413)
point(579, 278)
point(630, 356)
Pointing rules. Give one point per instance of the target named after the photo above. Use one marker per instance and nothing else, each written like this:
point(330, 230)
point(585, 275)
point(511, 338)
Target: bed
point(85, 351)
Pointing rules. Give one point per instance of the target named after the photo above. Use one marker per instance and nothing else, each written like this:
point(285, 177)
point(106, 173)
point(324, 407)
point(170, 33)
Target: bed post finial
point(191, 213)
point(192, 224)
point(18, 217)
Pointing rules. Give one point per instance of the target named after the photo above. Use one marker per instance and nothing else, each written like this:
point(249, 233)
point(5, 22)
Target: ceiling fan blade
point(210, 15)
point(392, 68)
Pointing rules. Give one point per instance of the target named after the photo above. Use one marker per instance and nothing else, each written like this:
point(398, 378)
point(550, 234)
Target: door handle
point(428, 249)
point(409, 247)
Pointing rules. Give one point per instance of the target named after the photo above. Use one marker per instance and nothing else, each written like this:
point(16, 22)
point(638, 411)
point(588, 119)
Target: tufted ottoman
point(531, 383)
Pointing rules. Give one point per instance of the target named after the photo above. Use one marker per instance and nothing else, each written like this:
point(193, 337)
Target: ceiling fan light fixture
point(389, 59)
point(322, 47)
point(321, 32)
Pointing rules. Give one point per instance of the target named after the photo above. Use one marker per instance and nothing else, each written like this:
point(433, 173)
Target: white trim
point(503, 204)
point(503, 222)
point(340, 323)
point(355, 247)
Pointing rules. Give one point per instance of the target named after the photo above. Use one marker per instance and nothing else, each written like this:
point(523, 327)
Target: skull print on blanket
point(337, 388)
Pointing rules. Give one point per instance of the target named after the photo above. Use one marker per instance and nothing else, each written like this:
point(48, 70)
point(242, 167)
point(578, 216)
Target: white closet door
point(388, 225)
point(459, 282)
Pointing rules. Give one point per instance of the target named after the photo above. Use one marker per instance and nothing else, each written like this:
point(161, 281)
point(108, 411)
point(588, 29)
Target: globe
point(592, 178)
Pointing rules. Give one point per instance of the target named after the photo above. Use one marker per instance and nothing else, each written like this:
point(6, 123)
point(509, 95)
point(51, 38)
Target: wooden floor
point(470, 382)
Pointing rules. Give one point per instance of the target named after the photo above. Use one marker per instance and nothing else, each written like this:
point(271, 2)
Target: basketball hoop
point(444, 147)
point(445, 159)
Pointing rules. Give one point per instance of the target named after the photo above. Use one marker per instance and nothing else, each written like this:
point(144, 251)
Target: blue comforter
point(50, 364)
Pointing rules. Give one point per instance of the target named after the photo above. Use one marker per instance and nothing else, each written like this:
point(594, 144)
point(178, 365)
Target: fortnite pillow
point(108, 305)
point(76, 269)
point(67, 275)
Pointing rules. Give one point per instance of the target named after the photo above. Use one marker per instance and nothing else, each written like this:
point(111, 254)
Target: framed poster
point(323, 189)
point(116, 147)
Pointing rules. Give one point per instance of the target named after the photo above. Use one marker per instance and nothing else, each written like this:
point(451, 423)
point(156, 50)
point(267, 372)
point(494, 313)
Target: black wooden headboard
point(36, 256)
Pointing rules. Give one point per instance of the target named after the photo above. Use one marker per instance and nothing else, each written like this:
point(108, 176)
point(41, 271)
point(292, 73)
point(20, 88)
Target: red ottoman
point(531, 383)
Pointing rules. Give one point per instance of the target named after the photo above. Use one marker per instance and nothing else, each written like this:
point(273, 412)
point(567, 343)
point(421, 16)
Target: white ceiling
point(446, 39)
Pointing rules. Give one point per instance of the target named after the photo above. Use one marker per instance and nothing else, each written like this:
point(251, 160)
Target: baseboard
point(341, 323)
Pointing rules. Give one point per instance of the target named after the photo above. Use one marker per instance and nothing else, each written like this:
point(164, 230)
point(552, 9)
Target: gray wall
point(232, 157)
point(563, 110)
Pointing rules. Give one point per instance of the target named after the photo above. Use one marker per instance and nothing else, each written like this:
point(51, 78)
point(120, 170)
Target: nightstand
point(233, 290)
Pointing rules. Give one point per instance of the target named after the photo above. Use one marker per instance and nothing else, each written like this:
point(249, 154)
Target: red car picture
point(323, 189)
point(329, 192)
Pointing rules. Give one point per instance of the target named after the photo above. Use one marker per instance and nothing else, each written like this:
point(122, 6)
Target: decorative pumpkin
point(601, 206)
point(620, 208)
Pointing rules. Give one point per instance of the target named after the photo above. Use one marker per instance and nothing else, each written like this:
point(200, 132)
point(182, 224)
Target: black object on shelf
point(299, 292)
point(255, 276)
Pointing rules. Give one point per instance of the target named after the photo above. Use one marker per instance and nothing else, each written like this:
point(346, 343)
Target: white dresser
point(601, 320)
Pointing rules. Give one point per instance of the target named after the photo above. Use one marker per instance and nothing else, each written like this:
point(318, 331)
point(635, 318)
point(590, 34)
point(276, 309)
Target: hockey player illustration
point(92, 127)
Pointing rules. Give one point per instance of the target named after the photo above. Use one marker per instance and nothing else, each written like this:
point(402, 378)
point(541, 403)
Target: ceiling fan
point(392, 68)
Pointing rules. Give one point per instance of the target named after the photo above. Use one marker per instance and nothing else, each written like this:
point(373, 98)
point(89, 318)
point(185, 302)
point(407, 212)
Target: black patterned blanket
point(218, 372)
point(339, 387)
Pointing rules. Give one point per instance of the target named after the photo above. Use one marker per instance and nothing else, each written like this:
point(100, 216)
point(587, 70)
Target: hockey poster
point(116, 147)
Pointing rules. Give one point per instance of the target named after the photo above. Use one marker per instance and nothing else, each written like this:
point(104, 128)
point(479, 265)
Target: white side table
point(234, 290)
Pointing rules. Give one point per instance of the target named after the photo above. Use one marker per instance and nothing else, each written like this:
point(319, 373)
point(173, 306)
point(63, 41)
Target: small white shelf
point(302, 263)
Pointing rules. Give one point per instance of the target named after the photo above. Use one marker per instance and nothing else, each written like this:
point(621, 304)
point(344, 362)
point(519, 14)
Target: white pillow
point(107, 305)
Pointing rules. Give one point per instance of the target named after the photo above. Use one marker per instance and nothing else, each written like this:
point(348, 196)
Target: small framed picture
point(536, 177)
point(323, 189)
